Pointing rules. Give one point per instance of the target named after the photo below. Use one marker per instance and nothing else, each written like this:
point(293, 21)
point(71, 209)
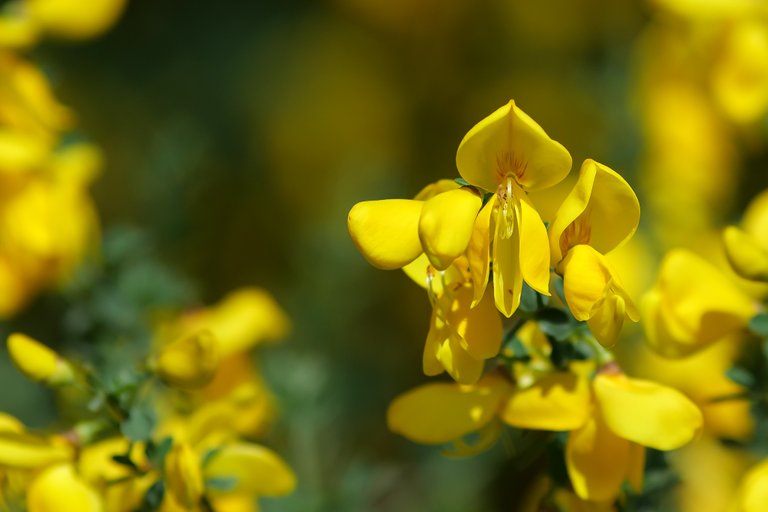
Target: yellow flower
point(599, 214)
point(189, 362)
point(692, 305)
point(509, 154)
point(428, 237)
point(747, 248)
point(20, 449)
point(611, 419)
point(595, 294)
point(70, 19)
point(37, 361)
point(258, 471)
point(740, 76)
point(59, 487)
point(243, 319)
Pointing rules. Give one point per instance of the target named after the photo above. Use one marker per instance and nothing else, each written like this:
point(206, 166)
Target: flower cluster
point(177, 433)
point(481, 249)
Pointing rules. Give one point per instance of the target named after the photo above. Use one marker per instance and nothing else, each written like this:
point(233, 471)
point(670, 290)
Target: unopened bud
point(39, 362)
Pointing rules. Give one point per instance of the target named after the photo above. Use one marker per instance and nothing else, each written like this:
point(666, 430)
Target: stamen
point(508, 210)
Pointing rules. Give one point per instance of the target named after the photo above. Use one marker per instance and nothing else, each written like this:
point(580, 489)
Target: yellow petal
point(27, 451)
point(184, 476)
point(608, 319)
point(597, 460)
point(507, 277)
point(585, 280)
point(418, 270)
point(386, 232)
point(534, 246)
point(740, 77)
point(646, 412)
point(480, 328)
point(66, 18)
point(602, 210)
point(508, 142)
point(746, 257)
point(755, 221)
point(438, 332)
point(446, 225)
point(479, 250)
point(559, 401)
point(443, 412)
point(753, 493)
point(459, 364)
point(190, 362)
point(60, 488)
point(636, 467)
point(258, 470)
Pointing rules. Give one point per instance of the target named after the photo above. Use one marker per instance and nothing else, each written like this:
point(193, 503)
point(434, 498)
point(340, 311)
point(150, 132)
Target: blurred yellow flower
point(37, 361)
point(747, 247)
point(26, 21)
point(189, 362)
point(610, 418)
point(508, 154)
point(692, 305)
point(59, 487)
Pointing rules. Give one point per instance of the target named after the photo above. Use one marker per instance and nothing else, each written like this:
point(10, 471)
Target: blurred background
point(237, 135)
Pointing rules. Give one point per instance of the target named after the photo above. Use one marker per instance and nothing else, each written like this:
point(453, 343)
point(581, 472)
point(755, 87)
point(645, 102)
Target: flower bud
point(189, 362)
point(39, 362)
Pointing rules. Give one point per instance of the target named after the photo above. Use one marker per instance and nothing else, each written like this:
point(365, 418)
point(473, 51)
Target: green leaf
point(529, 299)
point(555, 322)
point(210, 454)
point(221, 483)
point(759, 324)
point(153, 498)
point(156, 452)
point(139, 425)
point(125, 460)
point(740, 376)
point(462, 182)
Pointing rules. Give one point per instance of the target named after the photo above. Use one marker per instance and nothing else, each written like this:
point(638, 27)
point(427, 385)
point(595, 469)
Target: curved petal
point(446, 224)
point(27, 451)
point(459, 364)
point(647, 413)
point(597, 460)
point(480, 329)
point(507, 277)
point(755, 221)
point(443, 412)
point(613, 209)
point(479, 250)
point(258, 470)
point(534, 246)
point(753, 493)
point(418, 270)
point(746, 257)
point(560, 401)
point(585, 280)
point(608, 319)
point(386, 232)
point(571, 208)
point(60, 488)
point(602, 210)
point(509, 142)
